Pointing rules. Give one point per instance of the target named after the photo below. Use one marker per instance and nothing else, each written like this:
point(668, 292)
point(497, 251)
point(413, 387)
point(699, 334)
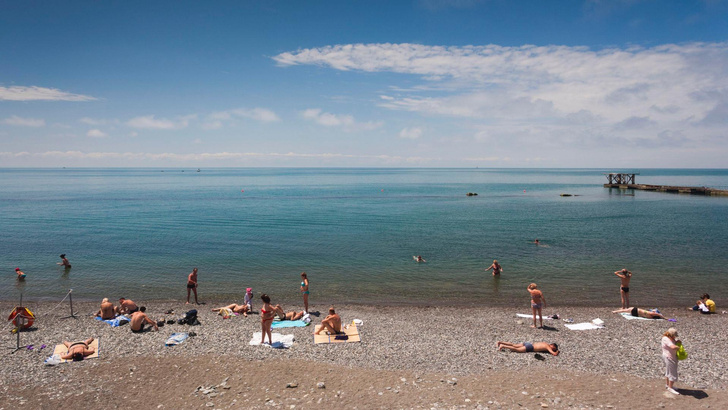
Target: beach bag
point(190, 318)
point(681, 353)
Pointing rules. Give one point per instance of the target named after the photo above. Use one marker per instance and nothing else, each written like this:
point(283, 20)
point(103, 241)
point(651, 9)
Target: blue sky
point(421, 83)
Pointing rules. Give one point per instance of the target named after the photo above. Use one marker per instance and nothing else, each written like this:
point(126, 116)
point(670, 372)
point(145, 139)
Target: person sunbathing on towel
point(332, 323)
point(78, 350)
point(107, 310)
point(139, 319)
point(292, 315)
point(636, 312)
point(526, 347)
point(234, 307)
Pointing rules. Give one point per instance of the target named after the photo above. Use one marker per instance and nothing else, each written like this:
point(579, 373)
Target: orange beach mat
point(61, 349)
point(350, 330)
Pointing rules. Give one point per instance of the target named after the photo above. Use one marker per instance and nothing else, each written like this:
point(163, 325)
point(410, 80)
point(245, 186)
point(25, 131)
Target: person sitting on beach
point(78, 350)
point(331, 323)
point(126, 306)
point(704, 305)
point(107, 310)
point(636, 312)
point(192, 285)
point(624, 276)
point(538, 301)
point(526, 347)
point(497, 269)
point(64, 262)
point(292, 315)
point(21, 274)
point(139, 319)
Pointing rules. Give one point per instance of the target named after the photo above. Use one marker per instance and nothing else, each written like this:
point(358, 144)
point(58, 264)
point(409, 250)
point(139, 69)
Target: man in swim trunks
point(538, 301)
point(192, 285)
point(636, 312)
point(107, 310)
point(64, 261)
point(126, 306)
point(624, 276)
point(139, 319)
point(526, 347)
point(78, 350)
point(331, 323)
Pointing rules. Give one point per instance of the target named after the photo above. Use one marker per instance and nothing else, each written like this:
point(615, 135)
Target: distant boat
point(198, 170)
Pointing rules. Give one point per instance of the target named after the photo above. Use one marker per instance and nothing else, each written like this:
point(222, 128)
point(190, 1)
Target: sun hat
point(248, 290)
point(17, 269)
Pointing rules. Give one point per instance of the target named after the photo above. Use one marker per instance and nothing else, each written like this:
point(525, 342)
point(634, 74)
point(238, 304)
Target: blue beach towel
point(176, 339)
point(288, 323)
point(115, 321)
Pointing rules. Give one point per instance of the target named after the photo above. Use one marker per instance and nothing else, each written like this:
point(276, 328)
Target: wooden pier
point(627, 181)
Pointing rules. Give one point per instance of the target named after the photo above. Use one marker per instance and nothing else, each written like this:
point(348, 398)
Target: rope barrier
point(59, 303)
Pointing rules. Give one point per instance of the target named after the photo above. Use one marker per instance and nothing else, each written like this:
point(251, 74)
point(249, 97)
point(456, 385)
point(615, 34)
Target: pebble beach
point(450, 350)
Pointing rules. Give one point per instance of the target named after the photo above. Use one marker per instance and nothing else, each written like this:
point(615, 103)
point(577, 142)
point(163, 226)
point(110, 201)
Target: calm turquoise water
point(139, 232)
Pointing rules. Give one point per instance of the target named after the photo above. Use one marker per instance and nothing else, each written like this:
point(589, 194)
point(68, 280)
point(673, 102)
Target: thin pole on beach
point(17, 330)
point(70, 299)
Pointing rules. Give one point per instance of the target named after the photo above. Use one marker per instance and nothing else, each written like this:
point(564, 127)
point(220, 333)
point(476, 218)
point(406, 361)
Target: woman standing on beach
point(670, 346)
point(304, 290)
point(266, 318)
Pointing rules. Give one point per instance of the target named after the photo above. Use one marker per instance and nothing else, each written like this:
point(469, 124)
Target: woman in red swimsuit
point(266, 318)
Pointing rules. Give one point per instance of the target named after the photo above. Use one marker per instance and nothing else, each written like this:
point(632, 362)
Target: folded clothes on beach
point(115, 321)
point(61, 350)
point(176, 339)
point(530, 316)
point(350, 331)
point(628, 316)
point(279, 341)
point(582, 326)
point(288, 323)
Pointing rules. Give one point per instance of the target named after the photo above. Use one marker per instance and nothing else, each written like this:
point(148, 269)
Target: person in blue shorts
point(526, 347)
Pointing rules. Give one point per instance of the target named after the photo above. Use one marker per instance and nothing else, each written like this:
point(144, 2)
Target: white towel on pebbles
point(629, 316)
point(279, 341)
point(583, 326)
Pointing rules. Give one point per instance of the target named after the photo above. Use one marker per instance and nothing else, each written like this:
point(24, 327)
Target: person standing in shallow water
point(64, 262)
point(192, 285)
point(304, 290)
point(624, 276)
point(497, 269)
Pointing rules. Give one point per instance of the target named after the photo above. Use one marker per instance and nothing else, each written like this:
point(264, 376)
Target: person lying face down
point(526, 347)
point(78, 350)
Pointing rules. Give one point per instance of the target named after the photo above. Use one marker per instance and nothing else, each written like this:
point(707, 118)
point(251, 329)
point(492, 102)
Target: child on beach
point(248, 301)
point(266, 318)
point(538, 301)
point(192, 285)
point(624, 276)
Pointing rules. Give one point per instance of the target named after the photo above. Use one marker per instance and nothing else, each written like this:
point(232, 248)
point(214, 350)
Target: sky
point(412, 83)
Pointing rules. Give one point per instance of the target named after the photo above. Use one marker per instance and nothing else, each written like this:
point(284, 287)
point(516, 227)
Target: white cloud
point(411, 133)
point(96, 133)
point(346, 122)
point(636, 92)
point(216, 119)
point(151, 122)
point(20, 93)
point(24, 122)
point(98, 121)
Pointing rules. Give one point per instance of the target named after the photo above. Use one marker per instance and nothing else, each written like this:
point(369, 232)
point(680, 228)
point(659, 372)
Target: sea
point(138, 232)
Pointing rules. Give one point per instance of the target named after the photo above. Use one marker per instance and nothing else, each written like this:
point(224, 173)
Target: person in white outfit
point(670, 346)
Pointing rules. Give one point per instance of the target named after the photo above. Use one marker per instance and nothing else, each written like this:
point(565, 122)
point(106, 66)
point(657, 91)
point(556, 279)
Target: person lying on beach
point(292, 315)
point(139, 319)
point(636, 312)
point(21, 274)
point(624, 277)
point(107, 310)
point(526, 347)
point(331, 323)
point(234, 307)
point(538, 301)
point(497, 269)
point(126, 306)
point(704, 305)
point(78, 350)
point(64, 262)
